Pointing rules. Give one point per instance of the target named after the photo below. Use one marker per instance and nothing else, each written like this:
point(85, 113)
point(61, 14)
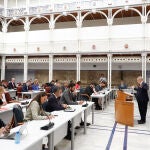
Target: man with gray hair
point(142, 98)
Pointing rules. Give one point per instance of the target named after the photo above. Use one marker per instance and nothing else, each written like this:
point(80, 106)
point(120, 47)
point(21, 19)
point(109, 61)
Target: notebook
point(12, 135)
point(69, 109)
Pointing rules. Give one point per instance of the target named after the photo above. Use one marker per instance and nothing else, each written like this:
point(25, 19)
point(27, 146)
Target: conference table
point(104, 96)
point(33, 93)
point(6, 111)
point(33, 136)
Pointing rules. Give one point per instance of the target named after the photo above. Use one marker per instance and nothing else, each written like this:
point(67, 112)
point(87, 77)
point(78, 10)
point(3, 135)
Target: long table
point(104, 96)
point(34, 135)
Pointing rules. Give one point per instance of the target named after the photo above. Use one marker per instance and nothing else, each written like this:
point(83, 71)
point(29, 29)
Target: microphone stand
point(86, 104)
point(49, 125)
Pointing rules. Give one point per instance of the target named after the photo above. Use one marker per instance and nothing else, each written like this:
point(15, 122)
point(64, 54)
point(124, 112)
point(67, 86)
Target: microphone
point(49, 125)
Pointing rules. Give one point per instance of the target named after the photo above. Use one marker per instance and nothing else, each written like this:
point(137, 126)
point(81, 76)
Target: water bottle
point(17, 137)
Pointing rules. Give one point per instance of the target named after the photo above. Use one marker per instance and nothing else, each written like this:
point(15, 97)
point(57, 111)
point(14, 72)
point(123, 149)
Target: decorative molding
point(38, 60)
point(65, 60)
point(127, 59)
point(96, 59)
point(93, 59)
point(15, 60)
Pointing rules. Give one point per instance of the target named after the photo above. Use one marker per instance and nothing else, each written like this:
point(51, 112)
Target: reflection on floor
point(101, 136)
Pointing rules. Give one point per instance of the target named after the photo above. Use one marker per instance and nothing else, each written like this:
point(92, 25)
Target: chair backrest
point(19, 89)
point(18, 115)
point(47, 89)
point(8, 97)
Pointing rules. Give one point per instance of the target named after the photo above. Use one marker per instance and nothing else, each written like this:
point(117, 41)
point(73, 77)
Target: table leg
point(51, 141)
point(72, 134)
point(85, 120)
point(92, 113)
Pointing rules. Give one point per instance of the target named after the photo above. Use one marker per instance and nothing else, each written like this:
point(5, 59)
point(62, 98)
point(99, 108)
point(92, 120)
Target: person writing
point(53, 103)
point(4, 129)
point(142, 98)
point(35, 110)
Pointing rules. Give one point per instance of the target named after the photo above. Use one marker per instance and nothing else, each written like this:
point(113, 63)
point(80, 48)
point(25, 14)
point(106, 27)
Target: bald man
point(142, 98)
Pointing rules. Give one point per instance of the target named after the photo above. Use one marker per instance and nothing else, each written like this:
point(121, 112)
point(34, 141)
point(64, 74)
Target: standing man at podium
point(142, 99)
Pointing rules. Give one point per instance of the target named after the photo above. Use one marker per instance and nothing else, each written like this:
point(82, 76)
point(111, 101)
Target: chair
point(84, 96)
point(8, 98)
point(18, 116)
point(48, 90)
point(19, 91)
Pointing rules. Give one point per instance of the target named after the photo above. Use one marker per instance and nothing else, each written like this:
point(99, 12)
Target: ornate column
point(145, 31)
point(78, 56)
point(78, 67)
point(51, 30)
point(50, 67)
point(144, 56)
point(26, 28)
point(25, 68)
point(109, 56)
point(3, 64)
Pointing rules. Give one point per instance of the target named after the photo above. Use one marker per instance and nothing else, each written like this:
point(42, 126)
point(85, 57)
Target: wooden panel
point(124, 112)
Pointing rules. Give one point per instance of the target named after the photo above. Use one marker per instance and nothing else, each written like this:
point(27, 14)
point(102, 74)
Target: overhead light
point(15, 18)
point(94, 11)
point(109, 2)
point(64, 13)
point(38, 16)
point(126, 8)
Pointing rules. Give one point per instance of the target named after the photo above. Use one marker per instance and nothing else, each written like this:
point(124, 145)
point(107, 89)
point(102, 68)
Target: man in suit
point(53, 103)
point(69, 96)
point(11, 84)
point(25, 86)
point(142, 99)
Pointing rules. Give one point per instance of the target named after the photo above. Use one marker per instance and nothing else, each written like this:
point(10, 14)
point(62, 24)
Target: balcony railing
point(70, 6)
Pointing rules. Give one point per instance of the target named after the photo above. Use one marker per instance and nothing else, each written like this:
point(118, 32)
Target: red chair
point(48, 91)
point(19, 91)
point(9, 99)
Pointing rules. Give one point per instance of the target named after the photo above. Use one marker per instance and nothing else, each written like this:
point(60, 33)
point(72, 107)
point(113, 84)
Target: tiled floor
point(98, 134)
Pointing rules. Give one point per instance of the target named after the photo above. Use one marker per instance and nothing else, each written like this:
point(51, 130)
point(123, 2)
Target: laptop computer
point(12, 135)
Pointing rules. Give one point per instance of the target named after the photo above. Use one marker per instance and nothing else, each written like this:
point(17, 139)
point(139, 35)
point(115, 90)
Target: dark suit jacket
point(68, 98)
point(53, 104)
point(88, 90)
point(24, 88)
point(142, 94)
point(11, 86)
point(2, 124)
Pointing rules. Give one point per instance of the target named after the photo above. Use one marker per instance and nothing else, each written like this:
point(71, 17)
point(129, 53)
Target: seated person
point(2, 97)
point(78, 85)
point(53, 102)
point(25, 88)
point(35, 110)
point(122, 85)
point(98, 102)
point(69, 96)
point(4, 129)
point(11, 84)
point(35, 85)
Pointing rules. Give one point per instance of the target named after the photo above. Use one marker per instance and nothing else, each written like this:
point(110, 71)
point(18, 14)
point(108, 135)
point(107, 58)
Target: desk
point(104, 95)
point(12, 92)
point(32, 93)
point(6, 111)
point(31, 140)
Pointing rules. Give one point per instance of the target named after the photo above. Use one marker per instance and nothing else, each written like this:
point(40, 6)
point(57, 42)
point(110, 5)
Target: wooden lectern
point(124, 108)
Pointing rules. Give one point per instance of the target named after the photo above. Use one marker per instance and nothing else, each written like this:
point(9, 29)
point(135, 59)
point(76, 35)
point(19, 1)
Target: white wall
point(104, 40)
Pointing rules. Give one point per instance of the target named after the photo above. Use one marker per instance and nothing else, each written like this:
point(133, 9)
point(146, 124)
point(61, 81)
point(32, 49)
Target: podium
point(124, 108)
